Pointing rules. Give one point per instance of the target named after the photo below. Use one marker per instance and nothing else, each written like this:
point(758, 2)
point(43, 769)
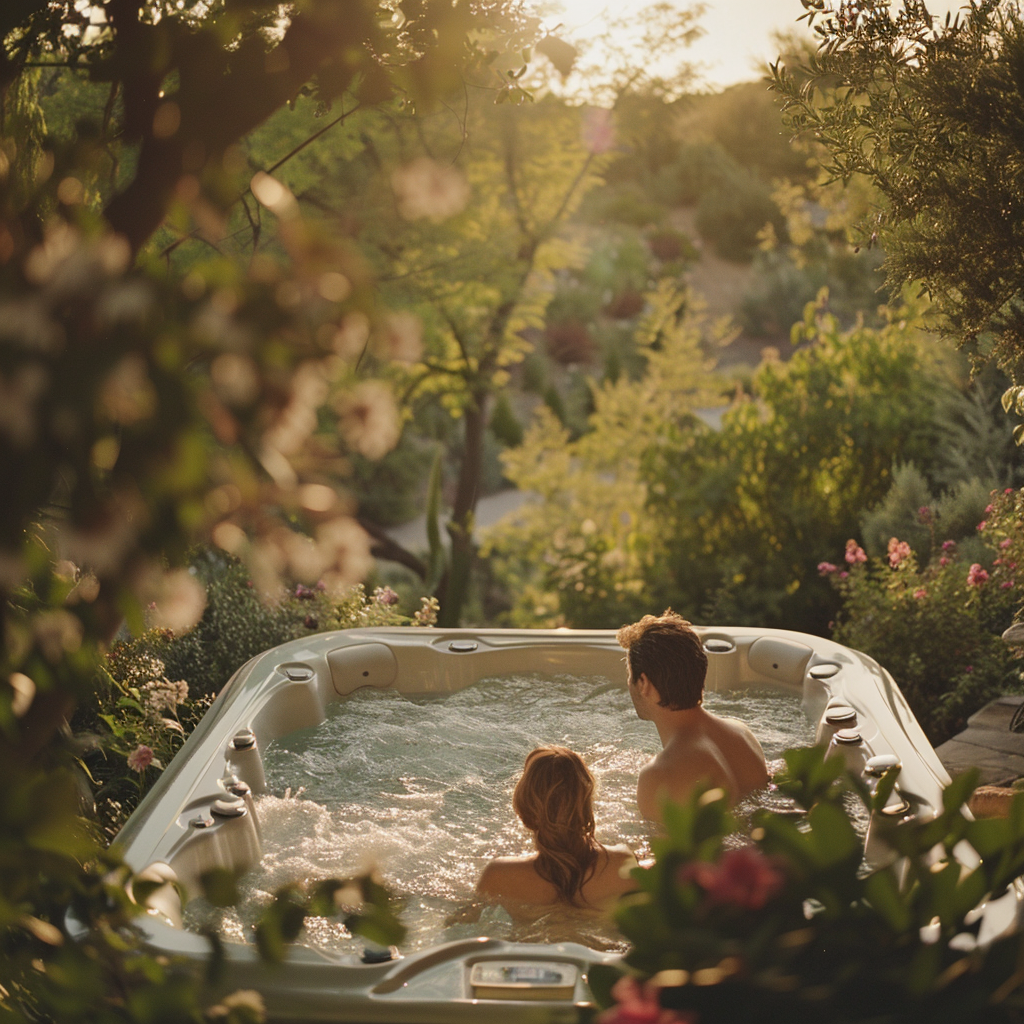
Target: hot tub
point(190, 822)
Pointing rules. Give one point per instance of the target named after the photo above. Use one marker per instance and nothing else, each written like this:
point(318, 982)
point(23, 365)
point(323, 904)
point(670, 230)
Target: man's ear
point(646, 687)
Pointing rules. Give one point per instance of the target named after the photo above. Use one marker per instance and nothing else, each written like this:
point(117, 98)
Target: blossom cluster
point(162, 695)
point(742, 878)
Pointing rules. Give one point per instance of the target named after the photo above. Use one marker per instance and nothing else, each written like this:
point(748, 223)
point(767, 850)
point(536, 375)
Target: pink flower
point(899, 551)
point(924, 513)
point(140, 758)
point(826, 568)
point(1004, 544)
point(982, 525)
point(1009, 490)
point(968, 668)
point(920, 593)
point(844, 575)
point(988, 509)
point(948, 545)
point(1006, 586)
point(637, 1003)
point(743, 877)
point(854, 553)
point(943, 560)
point(385, 596)
point(976, 575)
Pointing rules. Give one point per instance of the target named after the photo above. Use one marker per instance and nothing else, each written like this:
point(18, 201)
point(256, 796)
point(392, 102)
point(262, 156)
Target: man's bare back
point(666, 665)
point(719, 751)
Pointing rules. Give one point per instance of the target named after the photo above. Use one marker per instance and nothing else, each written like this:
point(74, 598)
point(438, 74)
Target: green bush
point(627, 204)
point(739, 518)
point(778, 292)
point(794, 924)
point(733, 211)
point(955, 514)
point(937, 627)
point(696, 168)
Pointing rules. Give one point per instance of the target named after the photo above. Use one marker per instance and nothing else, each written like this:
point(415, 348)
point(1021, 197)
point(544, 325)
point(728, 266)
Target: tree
point(481, 286)
point(141, 410)
point(583, 554)
point(725, 525)
point(931, 115)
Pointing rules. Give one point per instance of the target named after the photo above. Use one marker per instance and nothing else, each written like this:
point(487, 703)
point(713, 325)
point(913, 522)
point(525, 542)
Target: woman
point(554, 799)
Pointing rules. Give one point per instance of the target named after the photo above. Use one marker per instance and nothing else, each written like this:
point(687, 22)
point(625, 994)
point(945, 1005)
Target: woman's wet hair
point(666, 649)
point(555, 800)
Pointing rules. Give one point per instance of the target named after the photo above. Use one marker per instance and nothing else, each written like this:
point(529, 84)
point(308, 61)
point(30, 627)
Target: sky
point(738, 33)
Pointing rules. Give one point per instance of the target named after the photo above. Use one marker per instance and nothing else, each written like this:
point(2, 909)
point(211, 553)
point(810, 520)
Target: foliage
point(652, 508)
point(577, 556)
point(156, 686)
point(955, 515)
point(744, 122)
point(142, 411)
point(733, 212)
point(928, 114)
point(795, 925)
point(974, 453)
point(937, 626)
point(743, 515)
point(785, 278)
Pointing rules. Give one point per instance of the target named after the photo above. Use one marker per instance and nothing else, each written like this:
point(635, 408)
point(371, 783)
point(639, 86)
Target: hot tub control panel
point(523, 979)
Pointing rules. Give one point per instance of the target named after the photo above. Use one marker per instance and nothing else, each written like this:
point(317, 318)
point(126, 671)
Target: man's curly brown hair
point(669, 652)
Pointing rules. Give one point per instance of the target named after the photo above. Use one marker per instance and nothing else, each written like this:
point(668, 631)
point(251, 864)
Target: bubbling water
point(420, 787)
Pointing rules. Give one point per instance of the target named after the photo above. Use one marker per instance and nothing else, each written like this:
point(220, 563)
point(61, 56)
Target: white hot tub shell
point(189, 823)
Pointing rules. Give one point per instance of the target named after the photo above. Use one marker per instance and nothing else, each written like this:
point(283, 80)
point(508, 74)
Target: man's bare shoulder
point(737, 725)
point(673, 778)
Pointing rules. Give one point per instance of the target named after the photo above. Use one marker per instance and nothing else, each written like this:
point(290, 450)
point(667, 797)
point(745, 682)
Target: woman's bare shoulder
point(503, 874)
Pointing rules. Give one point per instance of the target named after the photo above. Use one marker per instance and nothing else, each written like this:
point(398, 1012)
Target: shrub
point(938, 628)
point(697, 167)
point(792, 923)
point(626, 304)
point(671, 246)
point(740, 517)
point(155, 687)
point(569, 342)
point(732, 213)
point(777, 294)
point(955, 515)
point(629, 205)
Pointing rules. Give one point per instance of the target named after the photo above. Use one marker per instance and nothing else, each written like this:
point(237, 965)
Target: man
point(666, 663)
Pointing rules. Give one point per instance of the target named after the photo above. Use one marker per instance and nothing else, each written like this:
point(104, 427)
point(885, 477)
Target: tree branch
point(390, 550)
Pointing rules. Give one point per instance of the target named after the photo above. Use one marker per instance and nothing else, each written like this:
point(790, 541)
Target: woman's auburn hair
point(554, 798)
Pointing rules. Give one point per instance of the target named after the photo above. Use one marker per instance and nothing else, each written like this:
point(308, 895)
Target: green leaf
point(924, 968)
point(601, 978)
point(220, 885)
point(280, 924)
point(834, 837)
point(886, 784)
point(959, 791)
point(883, 894)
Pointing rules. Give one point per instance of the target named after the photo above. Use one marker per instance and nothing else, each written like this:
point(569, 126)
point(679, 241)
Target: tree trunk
point(453, 591)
